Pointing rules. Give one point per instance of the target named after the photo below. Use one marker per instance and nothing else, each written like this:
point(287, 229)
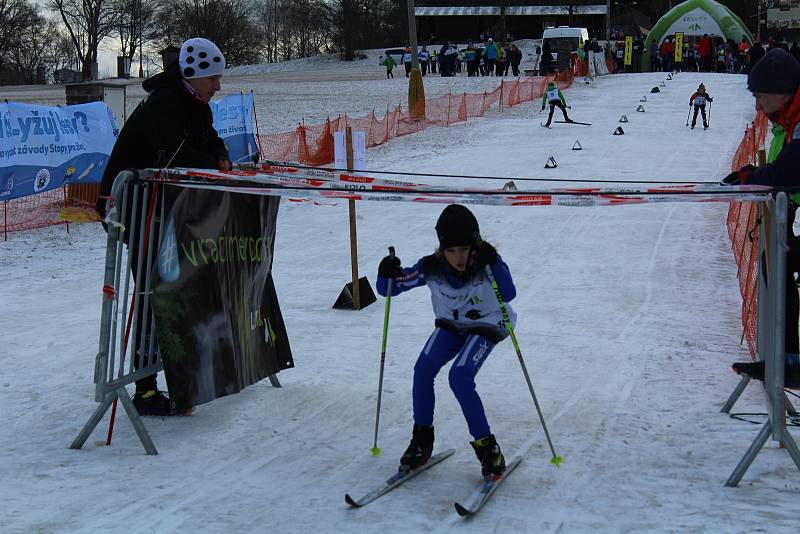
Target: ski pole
point(556, 459)
point(688, 115)
point(376, 451)
point(708, 119)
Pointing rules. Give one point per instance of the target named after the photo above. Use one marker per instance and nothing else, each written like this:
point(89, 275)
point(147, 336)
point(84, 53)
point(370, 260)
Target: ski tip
point(463, 512)
point(557, 460)
point(349, 500)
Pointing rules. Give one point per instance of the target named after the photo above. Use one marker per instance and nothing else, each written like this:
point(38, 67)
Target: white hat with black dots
point(200, 58)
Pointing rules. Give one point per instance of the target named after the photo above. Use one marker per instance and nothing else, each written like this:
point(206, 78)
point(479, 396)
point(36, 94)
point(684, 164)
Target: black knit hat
point(778, 72)
point(457, 227)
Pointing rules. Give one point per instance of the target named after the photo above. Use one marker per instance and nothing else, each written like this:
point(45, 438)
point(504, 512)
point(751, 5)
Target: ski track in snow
point(629, 318)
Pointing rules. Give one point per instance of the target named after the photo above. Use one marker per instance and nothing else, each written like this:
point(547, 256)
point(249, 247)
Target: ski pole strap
point(501, 303)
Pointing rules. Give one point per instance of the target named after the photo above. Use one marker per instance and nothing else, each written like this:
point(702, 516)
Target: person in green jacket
point(389, 63)
point(555, 98)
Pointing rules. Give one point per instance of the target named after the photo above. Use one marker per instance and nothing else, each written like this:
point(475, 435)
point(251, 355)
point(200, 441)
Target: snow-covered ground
point(628, 320)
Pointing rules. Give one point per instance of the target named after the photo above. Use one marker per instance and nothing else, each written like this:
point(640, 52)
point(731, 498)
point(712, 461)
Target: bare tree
point(17, 17)
point(229, 23)
point(135, 26)
point(88, 22)
point(345, 19)
point(33, 57)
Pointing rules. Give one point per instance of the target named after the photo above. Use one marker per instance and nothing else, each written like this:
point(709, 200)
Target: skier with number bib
point(698, 100)
point(555, 98)
point(468, 325)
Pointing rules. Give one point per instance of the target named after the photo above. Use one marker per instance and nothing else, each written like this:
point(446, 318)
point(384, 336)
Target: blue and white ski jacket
point(465, 306)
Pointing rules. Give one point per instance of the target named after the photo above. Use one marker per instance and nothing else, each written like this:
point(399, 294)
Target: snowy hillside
point(629, 319)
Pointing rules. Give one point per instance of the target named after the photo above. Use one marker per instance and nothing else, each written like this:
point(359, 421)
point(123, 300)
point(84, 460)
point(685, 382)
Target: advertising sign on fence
point(44, 147)
point(233, 121)
point(218, 321)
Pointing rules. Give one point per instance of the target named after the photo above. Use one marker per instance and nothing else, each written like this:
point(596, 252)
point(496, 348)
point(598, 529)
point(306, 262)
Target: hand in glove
point(485, 254)
point(390, 267)
point(738, 177)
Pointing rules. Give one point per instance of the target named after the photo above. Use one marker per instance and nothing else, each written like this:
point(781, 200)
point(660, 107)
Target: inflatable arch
point(696, 18)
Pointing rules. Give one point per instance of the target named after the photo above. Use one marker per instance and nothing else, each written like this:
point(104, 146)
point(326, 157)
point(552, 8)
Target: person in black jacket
point(171, 127)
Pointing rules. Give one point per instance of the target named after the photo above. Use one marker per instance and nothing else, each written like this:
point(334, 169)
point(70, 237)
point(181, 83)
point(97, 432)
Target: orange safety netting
point(743, 230)
point(313, 145)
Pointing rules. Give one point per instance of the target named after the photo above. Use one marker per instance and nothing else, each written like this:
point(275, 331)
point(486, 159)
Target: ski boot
point(493, 464)
point(419, 450)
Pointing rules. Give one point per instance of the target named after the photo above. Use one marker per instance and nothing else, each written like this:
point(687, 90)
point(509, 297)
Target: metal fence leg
point(273, 379)
point(90, 425)
point(136, 420)
point(791, 446)
point(735, 395)
point(789, 406)
point(750, 455)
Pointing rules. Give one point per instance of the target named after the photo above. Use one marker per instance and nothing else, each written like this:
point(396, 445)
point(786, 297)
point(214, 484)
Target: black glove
point(485, 254)
point(390, 267)
point(738, 177)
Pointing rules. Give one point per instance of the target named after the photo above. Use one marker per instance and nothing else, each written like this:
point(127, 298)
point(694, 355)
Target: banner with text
point(218, 321)
point(43, 147)
point(233, 121)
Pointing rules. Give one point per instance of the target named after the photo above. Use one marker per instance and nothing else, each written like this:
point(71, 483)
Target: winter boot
point(420, 449)
point(152, 402)
point(488, 452)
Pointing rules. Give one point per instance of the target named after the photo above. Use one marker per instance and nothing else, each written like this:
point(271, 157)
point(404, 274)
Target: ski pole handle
point(391, 252)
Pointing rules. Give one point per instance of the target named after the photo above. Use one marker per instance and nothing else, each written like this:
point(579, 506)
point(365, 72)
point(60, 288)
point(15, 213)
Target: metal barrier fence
point(770, 333)
point(126, 320)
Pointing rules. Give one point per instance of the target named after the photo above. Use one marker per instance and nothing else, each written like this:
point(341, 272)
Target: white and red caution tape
point(323, 184)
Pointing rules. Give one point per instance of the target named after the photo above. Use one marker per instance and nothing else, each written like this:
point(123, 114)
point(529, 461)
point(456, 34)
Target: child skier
point(555, 98)
point(698, 100)
point(468, 325)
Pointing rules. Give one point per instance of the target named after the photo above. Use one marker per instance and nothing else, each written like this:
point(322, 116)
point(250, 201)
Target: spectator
point(755, 54)
point(173, 125)
point(638, 50)
point(516, 59)
point(774, 82)
point(490, 54)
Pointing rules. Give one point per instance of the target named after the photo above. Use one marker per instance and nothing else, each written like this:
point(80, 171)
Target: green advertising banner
point(218, 321)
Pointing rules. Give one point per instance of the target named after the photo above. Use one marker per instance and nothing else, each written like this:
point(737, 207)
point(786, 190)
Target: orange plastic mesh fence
point(743, 231)
point(313, 145)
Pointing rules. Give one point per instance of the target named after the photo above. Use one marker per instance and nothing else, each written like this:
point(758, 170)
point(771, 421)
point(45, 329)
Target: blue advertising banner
point(233, 120)
point(44, 147)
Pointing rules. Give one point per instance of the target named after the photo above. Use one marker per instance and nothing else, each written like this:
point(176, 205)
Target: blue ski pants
point(468, 352)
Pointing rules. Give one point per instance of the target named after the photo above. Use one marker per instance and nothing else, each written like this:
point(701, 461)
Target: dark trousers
point(389, 74)
point(515, 68)
point(424, 66)
point(553, 105)
point(499, 68)
point(408, 68)
point(489, 64)
point(702, 110)
point(433, 66)
point(792, 313)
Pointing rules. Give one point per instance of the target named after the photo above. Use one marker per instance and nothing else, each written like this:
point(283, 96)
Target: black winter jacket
point(153, 133)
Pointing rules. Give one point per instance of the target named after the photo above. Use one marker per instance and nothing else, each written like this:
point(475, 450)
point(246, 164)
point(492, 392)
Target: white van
point(564, 36)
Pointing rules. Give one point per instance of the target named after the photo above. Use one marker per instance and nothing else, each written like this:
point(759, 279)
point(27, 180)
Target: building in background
point(460, 20)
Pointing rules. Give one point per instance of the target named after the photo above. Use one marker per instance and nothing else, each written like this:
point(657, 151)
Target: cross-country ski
point(400, 477)
point(484, 491)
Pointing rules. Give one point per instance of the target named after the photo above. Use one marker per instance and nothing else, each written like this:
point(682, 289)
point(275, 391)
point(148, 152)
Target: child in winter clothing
point(467, 327)
point(555, 98)
point(389, 63)
point(698, 100)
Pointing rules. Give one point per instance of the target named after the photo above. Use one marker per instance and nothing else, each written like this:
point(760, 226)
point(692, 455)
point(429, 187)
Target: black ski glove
point(485, 254)
point(390, 267)
point(738, 177)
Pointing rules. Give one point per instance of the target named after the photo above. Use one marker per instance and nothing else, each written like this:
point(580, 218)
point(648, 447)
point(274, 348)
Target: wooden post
point(351, 205)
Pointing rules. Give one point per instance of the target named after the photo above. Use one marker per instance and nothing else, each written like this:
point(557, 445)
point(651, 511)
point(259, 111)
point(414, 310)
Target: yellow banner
point(678, 47)
point(628, 50)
